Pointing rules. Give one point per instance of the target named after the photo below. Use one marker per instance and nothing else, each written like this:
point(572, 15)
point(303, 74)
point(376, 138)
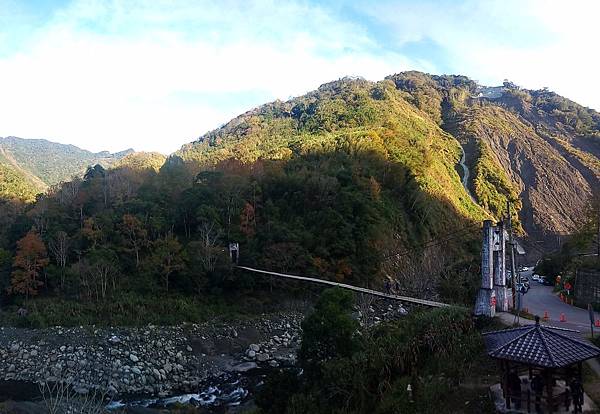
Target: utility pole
point(512, 257)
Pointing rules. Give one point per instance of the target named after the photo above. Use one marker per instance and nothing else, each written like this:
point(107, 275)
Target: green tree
point(329, 331)
point(167, 257)
point(135, 234)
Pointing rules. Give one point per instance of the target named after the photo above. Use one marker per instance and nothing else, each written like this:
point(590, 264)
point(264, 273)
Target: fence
point(587, 287)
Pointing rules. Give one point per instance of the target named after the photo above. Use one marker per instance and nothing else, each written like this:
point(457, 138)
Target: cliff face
point(533, 147)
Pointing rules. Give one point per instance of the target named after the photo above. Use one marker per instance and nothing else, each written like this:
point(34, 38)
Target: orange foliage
point(31, 258)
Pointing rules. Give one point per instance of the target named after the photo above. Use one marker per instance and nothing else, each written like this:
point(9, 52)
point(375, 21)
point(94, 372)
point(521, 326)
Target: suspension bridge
point(407, 299)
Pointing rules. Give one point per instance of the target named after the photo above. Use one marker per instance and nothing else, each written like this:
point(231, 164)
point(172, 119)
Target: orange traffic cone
point(597, 323)
point(546, 315)
point(563, 318)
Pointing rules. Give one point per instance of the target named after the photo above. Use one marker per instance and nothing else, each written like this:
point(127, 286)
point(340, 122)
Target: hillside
point(14, 184)
point(534, 147)
point(44, 163)
point(351, 115)
point(356, 182)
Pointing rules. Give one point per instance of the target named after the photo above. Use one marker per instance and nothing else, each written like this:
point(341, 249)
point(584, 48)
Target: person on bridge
point(388, 286)
point(397, 287)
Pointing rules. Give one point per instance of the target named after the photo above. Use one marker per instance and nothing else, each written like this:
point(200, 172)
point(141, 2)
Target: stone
point(133, 358)
point(136, 371)
point(244, 367)
point(14, 348)
point(188, 348)
point(262, 357)
point(255, 347)
point(251, 354)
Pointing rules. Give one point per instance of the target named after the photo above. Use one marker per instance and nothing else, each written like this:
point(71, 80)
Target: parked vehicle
point(536, 277)
point(521, 287)
point(547, 282)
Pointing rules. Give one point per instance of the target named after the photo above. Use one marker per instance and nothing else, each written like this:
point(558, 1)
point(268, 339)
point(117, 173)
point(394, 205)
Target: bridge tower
point(499, 256)
point(485, 304)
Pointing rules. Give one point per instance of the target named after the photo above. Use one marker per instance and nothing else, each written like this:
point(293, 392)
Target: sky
point(155, 74)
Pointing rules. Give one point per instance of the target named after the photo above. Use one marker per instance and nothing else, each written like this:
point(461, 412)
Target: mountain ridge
point(40, 163)
point(534, 148)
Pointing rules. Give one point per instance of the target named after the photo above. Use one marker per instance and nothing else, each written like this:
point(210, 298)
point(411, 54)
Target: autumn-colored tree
point(30, 259)
point(248, 220)
point(91, 231)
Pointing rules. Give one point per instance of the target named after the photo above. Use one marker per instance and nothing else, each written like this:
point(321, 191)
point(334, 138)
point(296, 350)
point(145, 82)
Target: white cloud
point(110, 74)
point(534, 43)
point(115, 89)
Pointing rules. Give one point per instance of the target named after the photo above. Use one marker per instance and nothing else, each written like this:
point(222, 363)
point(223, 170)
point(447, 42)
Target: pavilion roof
point(543, 346)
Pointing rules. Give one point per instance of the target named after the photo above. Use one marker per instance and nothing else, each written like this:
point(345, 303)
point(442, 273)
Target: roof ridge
point(558, 328)
point(578, 341)
point(526, 331)
point(540, 332)
point(507, 330)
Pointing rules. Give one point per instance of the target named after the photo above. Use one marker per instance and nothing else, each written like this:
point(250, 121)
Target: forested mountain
point(535, 148)
point(356, 181)
point(44, 163)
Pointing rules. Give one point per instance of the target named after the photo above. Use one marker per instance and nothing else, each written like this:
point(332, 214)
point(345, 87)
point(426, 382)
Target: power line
point(433, 242)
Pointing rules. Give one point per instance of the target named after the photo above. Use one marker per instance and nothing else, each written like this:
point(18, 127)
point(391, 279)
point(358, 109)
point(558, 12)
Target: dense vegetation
point(347, 368)
point(354, 182)
point(14, 185)
point(48, 163)
point(343, 184)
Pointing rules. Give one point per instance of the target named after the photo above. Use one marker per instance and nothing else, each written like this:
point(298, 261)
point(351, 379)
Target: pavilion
point(549, 355)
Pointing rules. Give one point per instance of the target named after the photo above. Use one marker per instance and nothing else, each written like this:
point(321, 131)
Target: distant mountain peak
point(47, 163)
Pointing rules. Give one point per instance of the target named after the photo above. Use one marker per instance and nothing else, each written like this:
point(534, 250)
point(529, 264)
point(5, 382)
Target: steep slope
point(349, 182)
point(14, 184)
point(51, 162)
point(350, 113)
point(534, 148)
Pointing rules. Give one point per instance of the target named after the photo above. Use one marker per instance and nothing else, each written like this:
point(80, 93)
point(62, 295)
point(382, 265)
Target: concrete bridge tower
point(499, 256)
point(485, 304)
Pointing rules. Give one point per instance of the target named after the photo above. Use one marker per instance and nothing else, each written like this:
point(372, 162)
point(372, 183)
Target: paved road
point(540, 299)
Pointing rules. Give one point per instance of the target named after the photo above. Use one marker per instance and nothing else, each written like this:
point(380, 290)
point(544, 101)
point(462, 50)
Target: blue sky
point(155, 74)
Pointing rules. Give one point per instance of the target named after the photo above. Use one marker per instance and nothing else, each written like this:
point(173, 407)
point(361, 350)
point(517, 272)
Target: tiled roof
point(543, 346)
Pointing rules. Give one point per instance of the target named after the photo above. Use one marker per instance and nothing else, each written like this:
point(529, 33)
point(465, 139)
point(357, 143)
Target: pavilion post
point(505, 385)
point(549, 390)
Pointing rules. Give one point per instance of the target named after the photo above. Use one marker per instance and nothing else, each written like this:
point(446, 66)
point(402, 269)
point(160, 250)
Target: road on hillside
point(540, 299)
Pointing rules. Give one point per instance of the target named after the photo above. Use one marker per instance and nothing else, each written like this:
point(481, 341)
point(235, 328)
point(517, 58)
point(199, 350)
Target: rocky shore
point(159, 362)
point(152, 361)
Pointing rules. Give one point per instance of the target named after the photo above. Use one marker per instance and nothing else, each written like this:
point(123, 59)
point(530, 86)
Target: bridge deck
point(350, 287)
